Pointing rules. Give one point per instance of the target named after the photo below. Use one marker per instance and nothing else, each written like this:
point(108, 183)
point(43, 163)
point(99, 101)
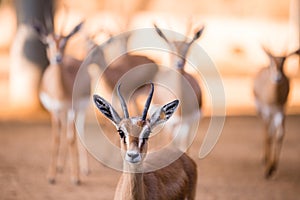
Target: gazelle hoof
point(270, 171)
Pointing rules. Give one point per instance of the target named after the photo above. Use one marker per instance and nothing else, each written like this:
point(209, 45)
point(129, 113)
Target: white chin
point(133, 161)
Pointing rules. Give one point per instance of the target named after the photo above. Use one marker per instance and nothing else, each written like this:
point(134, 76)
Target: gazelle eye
point(121, 133)
point(144, 140)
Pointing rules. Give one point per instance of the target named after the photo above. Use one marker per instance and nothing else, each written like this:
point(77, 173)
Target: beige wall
point(278, 9)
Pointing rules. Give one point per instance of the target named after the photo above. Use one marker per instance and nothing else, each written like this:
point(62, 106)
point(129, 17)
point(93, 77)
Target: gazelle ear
point(163, 114)
point(75, 30)
point(270, 55)
point(198, 33)
point(41, 31)
point(160, 33)
point(267, 51)
point(295, 52)
point(106, 109)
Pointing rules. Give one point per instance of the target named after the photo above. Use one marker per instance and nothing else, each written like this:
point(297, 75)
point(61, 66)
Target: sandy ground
point(233, 170)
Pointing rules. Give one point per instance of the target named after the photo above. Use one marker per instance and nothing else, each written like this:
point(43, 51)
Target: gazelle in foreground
point(190, 111)
point(175, 181)
point(271, 89)
point(56, 93)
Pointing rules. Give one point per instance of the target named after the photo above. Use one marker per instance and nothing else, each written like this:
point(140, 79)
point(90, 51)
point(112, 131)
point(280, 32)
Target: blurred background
point(235, 30)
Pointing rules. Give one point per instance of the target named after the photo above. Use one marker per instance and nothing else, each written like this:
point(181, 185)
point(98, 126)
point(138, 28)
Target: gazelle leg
point(277, 129)
point(181, 140)
point(83, 156)
point(267, 146)
point(277, 143)
point(269, 163)
point(187, 138)
point(62, 155)
point(193, 123)
point(277, 148)
point(71, 138)
point(56, 126)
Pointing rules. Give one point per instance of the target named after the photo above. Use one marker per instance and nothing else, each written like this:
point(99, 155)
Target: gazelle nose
point(180, 64)
point(58, 58)
point(132, 154)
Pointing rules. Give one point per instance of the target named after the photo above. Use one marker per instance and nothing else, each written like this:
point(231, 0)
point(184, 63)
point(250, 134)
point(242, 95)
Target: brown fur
point(139, 181)
point(57, 96)
point(195, 86)
point(176, 181)
point(58, 80)
point(123, 64)
point(271, 95)
point(269, 92)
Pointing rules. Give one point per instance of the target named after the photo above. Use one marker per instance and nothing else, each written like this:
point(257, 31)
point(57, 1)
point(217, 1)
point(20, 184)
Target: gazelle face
point(55, 48)
point(134, 131)
point(277, 64)
point(179, 48)
point(134, 136)
point(56, 44)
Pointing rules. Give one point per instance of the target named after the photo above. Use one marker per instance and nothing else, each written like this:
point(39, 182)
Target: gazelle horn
point(147, 104)
point(123, 103)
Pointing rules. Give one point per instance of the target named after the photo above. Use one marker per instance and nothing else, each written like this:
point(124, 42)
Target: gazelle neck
point(53, 83)
point(133, 183)
point(181, 70)
point(97, 56)
point(53, 62)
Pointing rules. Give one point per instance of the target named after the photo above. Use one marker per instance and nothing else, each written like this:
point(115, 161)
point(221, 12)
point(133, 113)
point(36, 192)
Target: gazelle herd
point(179, 179)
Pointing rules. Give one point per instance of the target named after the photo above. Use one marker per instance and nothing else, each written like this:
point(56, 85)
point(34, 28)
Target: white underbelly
point(55, 105)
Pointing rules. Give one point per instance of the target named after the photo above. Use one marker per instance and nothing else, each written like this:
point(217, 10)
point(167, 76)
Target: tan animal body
point(186, 88)
point(56, 94)
point(175, 181)
point(271, 89)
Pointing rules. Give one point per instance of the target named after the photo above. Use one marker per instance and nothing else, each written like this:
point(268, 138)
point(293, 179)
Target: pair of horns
point(48, 17)
point(146, 107)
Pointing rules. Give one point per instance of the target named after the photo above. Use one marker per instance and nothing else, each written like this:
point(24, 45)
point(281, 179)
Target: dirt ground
point(233, 170)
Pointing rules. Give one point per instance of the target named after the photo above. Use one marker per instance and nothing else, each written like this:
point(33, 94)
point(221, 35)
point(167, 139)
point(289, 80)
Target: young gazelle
point(56, 92)
point(175, 181)
point(184, 81)
point(271, 89)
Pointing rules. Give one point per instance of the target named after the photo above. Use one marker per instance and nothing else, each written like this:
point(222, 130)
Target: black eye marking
point(62, 44)
point(145, 137)
point(144, 140)
point(121, 133)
